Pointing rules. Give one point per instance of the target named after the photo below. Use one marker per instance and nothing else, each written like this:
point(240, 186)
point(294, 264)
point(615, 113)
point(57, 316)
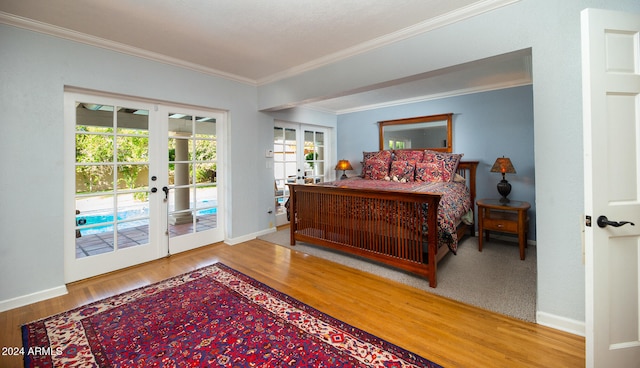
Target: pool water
point(208, 211)
point(126, 219)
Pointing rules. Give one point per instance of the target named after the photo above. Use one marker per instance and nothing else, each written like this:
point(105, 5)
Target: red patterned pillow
point(430, 172)
point(448, 161)
point(375, 169)
point(403, 170)
point(380, 155)
point(409, 155)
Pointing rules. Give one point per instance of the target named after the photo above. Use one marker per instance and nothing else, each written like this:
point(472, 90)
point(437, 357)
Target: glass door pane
point(299, 156)
point(193, 183)
point(314, 156)
point(285, 164)
point(112, 178)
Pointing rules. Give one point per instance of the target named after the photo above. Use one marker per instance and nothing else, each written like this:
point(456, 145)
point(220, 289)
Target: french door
point(194, 215)
point(301, 155)
point(142, 184)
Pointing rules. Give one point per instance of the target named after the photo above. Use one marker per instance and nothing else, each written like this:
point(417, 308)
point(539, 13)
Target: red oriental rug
point(214, 316)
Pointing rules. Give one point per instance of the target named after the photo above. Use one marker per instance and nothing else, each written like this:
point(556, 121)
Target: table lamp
point(503, 165)
point(343, 165)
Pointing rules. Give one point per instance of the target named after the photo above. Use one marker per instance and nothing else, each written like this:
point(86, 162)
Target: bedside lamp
point(344, 165)
point(503, 165)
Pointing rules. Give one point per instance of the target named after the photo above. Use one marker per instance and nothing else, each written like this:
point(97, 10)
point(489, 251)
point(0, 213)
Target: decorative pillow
point(402, 170)
point(375, 169)
point(449, 162)
point(431, 172)
point(380, 155)
point(408, 155)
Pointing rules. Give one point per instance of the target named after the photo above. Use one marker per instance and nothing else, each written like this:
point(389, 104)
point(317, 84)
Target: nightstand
point(511, 217)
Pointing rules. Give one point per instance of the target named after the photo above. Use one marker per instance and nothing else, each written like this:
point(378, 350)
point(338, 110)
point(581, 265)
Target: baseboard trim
point(21, 301)
point(244, 238)
point(569, 325)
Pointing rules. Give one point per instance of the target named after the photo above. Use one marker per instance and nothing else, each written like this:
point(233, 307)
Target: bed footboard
point(384, 226)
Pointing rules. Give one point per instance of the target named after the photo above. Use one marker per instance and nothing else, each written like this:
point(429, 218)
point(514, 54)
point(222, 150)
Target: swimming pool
point(104, 222)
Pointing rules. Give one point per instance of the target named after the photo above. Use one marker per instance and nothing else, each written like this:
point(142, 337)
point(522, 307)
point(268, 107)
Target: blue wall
point(35, 69)
point(486, 125)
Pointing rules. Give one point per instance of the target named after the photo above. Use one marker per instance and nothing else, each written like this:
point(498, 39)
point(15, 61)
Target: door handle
point(603, 221)
point(166, 192)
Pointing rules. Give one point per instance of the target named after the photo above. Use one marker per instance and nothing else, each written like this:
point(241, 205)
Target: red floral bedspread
point(454, 203)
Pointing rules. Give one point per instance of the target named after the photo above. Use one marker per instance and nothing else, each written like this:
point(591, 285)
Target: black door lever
point(166, 192)
point(603, 221)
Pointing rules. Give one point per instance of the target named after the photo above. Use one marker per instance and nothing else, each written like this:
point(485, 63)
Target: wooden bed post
point(432, 240)
point(292, 211)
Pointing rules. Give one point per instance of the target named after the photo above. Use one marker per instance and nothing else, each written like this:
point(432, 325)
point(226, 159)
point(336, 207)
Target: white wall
point(34, 69)
point(551, 28)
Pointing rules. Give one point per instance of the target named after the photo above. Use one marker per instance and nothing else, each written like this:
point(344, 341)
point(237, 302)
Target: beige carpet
point(494, 279)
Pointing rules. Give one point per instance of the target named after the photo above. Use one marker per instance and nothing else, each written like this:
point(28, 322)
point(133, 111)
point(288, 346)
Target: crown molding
point(435, 96)
point(426, 26)
point(60, 32)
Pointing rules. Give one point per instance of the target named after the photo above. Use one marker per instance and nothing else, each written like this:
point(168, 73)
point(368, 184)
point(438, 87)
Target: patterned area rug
point(214, 316)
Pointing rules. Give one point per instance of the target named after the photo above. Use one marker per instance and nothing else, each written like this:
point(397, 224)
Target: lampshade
point(503, 165)
point(344, 165)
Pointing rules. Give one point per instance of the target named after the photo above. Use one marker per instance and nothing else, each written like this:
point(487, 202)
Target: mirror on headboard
point(432, 132)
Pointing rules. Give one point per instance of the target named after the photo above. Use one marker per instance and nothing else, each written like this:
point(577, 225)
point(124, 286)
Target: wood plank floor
point(444, 331)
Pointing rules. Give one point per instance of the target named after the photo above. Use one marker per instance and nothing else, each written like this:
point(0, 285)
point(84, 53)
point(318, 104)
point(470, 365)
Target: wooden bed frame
point(390, 231)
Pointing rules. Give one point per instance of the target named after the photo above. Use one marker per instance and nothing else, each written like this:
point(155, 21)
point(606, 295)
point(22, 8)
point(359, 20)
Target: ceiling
point(257, 41)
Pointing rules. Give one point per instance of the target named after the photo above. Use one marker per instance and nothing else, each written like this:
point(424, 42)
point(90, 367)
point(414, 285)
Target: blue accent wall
point(486, 126)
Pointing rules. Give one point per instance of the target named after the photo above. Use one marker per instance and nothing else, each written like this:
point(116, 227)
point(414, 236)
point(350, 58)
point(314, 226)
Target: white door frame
point(158, 246)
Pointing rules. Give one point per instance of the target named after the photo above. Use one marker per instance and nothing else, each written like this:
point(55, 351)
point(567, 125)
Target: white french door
point(611, 99)
point(194, 215)
point(136, 167)
point(301, 155)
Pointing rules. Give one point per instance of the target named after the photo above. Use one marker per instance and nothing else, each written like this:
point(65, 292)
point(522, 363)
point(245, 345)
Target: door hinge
point(587, 221)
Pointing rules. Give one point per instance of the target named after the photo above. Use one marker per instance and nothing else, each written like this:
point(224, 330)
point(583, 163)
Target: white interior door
point(611, 84)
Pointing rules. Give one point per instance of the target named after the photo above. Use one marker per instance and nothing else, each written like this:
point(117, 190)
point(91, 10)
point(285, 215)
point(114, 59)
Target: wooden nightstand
point(511, 217)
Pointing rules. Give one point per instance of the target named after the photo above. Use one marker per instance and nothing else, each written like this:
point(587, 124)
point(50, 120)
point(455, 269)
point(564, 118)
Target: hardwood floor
point(444, 331)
